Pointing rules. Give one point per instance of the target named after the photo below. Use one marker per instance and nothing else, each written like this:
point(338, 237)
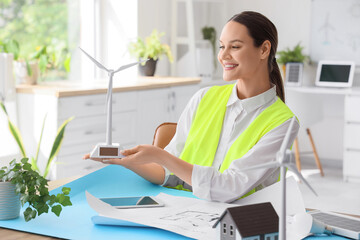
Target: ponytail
point(275, 78)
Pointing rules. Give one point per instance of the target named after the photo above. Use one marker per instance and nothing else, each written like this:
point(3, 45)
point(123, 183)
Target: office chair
point(163, 134)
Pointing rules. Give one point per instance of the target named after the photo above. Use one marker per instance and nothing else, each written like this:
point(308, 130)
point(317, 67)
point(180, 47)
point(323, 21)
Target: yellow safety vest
point(202, 141)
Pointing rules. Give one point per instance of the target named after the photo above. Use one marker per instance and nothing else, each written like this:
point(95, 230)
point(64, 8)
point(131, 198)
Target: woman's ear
point(265, 49)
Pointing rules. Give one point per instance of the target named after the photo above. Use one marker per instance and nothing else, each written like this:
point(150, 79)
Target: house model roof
point(254, 219)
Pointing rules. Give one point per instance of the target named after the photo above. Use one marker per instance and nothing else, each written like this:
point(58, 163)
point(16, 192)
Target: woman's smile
point(230, 66)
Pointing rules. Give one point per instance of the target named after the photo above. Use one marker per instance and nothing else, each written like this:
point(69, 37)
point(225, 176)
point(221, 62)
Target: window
point(224, 228)
point(42, 29)
point(231, 230)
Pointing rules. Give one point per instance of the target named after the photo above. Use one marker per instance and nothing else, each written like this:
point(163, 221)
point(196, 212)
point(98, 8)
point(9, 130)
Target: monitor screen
point(335, 73)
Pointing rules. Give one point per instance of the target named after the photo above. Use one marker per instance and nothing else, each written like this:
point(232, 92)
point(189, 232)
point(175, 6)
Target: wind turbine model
point(283, 160)
point(108, 149)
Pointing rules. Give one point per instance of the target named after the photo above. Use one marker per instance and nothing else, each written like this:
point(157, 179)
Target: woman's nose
point(224, 54)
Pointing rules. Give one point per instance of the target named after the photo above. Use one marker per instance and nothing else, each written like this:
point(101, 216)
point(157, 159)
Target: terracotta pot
point(9, 201)
point(149, 68)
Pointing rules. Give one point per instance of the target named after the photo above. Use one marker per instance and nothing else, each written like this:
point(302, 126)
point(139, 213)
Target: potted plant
point(44, 60)
point(20, 185)
point(294, 55)
point(151, 49)
point(54, 150)
point(209, 33)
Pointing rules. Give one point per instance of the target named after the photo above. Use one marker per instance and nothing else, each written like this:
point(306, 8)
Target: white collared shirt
point(207, 182)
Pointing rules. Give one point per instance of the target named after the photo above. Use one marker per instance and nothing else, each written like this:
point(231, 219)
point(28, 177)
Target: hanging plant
point(209, 33)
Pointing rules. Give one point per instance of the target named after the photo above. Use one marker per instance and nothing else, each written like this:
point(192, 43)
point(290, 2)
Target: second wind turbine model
point(283, 160)
point(108, 149)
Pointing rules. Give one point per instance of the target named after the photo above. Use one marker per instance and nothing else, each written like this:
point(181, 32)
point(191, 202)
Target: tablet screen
point(335, 73)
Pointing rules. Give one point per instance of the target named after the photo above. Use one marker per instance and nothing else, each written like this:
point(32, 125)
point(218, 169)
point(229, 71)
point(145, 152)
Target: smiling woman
point(225, 129)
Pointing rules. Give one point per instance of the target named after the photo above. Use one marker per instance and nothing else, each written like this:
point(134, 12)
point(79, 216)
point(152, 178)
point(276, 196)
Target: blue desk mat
point(75, 221)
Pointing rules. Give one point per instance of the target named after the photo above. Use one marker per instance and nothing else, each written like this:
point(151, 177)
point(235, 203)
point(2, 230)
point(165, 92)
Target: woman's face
point(238, 56)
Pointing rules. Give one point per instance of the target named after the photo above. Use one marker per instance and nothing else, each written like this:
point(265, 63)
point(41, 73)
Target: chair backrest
point(163, 134)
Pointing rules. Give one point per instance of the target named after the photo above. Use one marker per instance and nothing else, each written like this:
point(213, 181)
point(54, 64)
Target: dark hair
point(261, 29)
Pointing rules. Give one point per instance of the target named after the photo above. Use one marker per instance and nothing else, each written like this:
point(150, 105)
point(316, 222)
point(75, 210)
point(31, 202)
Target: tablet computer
point(133, 202)
point(335, 73)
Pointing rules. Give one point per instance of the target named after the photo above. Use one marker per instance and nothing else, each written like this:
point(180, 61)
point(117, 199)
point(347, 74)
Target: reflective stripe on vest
point(203, 138)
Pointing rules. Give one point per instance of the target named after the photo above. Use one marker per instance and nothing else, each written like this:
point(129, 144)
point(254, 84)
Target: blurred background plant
point(151, 47)
point(292, 55)
point(209, 33)
point(48, 44)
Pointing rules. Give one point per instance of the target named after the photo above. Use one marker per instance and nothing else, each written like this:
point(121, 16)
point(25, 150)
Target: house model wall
point(250, 222)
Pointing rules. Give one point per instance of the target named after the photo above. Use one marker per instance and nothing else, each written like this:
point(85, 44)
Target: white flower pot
point(9, 201)
point(21, 73)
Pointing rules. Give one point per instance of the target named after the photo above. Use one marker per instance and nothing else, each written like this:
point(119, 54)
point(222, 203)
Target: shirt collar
point(250, 104)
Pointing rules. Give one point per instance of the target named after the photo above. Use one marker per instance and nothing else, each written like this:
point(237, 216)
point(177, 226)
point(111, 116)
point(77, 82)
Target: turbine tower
point(108, 149)
point(283, 160)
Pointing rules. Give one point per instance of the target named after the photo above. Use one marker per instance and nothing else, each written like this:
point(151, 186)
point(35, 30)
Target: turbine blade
point(294, 170)
point(128, 65)
point(264, 165)
point(94, 60)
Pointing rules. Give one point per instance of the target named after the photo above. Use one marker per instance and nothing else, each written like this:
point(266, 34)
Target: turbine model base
point(102, 150)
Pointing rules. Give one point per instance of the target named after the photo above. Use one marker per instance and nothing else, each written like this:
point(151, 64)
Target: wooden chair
point(297, 153)
point(166, 131)
point(163, 134)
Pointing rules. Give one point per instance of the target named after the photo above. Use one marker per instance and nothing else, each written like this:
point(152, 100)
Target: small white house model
point(250, 222)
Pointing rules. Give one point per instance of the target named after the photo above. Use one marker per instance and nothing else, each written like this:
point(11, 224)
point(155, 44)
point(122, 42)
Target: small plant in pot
point(39, 64)
point(294, 55)
point(20, 184)
point(151, 49)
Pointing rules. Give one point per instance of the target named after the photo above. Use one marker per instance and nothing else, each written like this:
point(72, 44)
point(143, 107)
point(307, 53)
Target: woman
point(225, 129)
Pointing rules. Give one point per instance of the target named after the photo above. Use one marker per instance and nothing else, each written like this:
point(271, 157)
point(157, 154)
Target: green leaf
point(27, 166)
point(3, 108)
point(67, 62)
point(28, 214)
point(43, 62)
point(12, 46)
point(23, 199)
point(34, 165)
point(52, 200)
point(28, 68)
point(15, 132)
point(66, 201)
point(66, 190)
point(56, 145)
point(56, 209)
point(42, 208)
point(60, 198)
point(34, 161)
point(24, 160)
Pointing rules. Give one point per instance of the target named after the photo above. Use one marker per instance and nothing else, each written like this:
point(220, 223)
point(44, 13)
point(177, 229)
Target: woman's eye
point(221, 47)
point(235, 47)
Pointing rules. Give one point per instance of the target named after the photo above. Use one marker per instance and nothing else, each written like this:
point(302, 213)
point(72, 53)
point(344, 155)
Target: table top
point(75, 221)
point(71, 88)
point(325, 90)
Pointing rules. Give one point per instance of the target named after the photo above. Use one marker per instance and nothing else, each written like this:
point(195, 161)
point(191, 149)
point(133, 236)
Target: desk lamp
point(283, 160)
point(108, 149)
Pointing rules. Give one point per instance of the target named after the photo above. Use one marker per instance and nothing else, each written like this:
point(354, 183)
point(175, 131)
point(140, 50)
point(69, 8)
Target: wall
point(293, 21)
